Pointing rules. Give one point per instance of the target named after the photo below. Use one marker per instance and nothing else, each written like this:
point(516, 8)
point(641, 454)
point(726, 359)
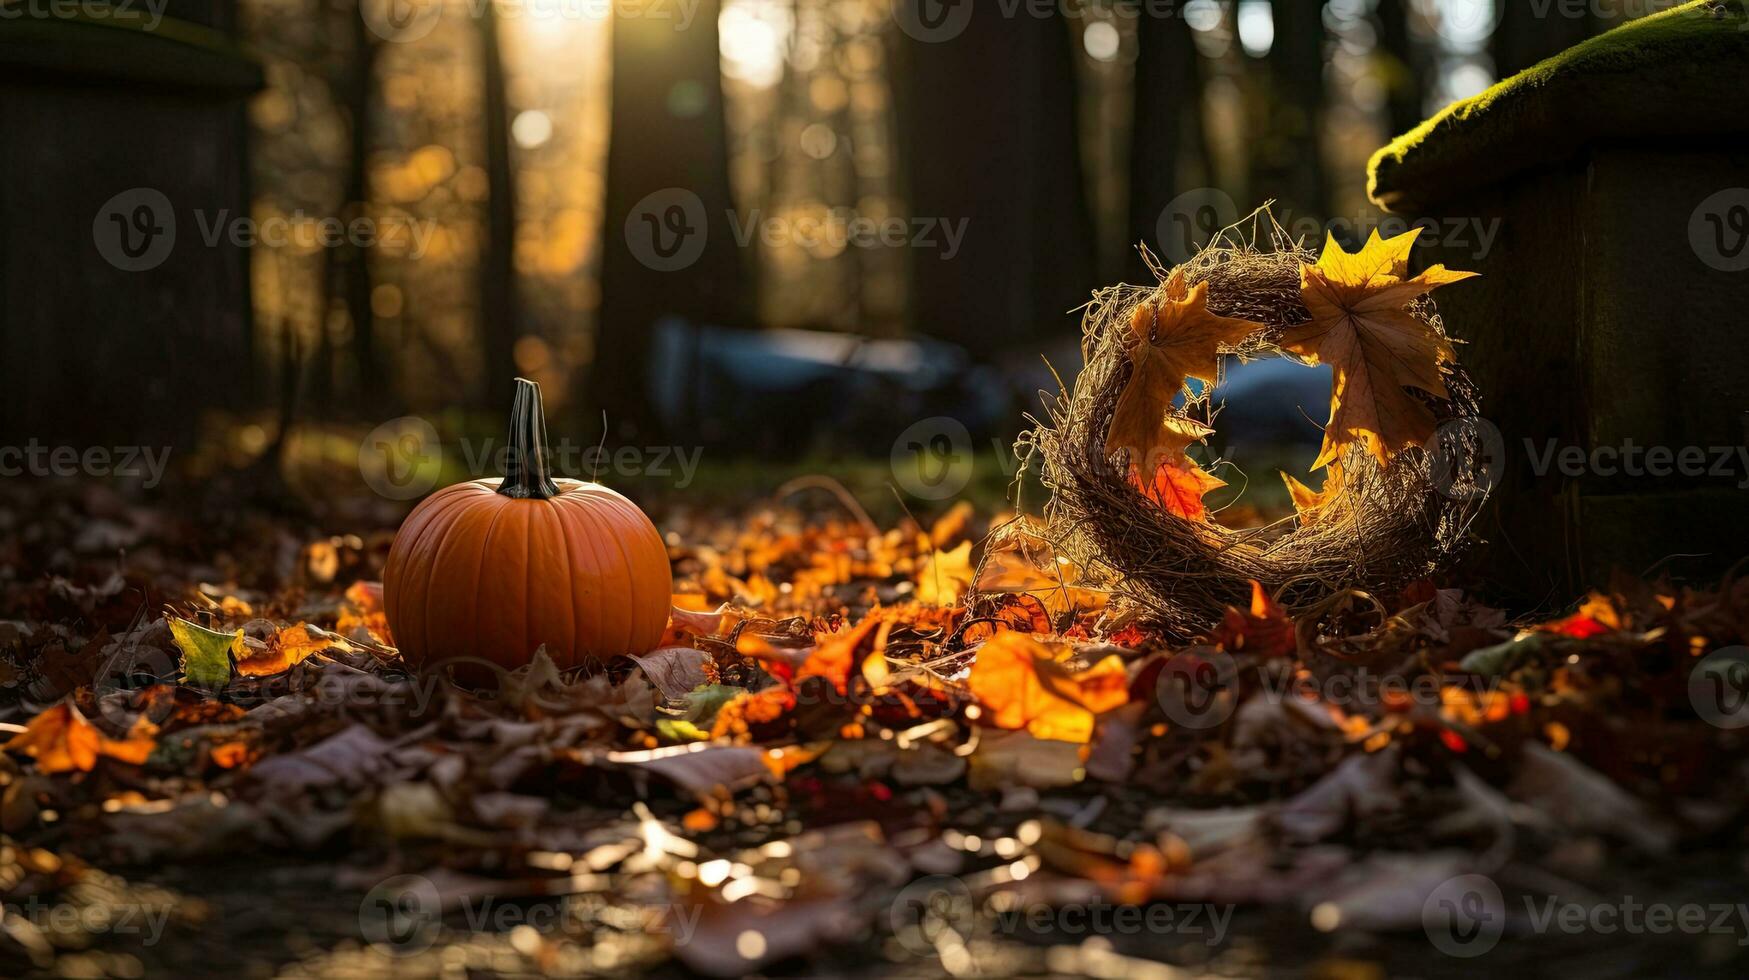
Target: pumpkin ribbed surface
point(496, 569)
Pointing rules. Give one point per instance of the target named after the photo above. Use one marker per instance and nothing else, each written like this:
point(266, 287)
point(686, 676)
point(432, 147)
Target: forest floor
point(855, 754)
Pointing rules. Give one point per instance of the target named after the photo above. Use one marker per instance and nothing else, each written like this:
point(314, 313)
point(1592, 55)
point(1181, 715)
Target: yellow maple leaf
point(1173, 337)
point(945, 575)
point(1362, 328)
point(1314, 506)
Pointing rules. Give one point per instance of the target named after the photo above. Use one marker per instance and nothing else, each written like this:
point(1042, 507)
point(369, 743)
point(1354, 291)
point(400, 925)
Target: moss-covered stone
point(1672, 74)
point(169, 52)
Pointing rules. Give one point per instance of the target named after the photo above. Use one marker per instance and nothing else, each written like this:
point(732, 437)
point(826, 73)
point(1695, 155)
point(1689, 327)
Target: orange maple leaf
point(1265, 629)
point(1173, 337)
point(1179, 485)
point(1362, 328)
point(1022, 684)
point(61, 740)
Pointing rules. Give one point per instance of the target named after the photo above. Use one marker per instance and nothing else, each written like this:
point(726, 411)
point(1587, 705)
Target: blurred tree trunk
point(988, 140)
point(1406, 67)
point(1167, 107)
point(498, 325)
point(1288, 162)
point(1524, 36)
point(668, 180)
point(347, 278)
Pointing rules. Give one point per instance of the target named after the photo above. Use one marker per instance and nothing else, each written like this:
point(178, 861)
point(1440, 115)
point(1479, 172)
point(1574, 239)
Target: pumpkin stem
point(525, 475)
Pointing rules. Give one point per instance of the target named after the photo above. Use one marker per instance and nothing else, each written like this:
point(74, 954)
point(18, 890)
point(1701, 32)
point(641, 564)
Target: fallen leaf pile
point(842, 753)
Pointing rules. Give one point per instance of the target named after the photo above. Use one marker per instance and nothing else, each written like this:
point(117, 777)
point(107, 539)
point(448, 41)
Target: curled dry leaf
point(60, 739)
point(676, 671)
point(287, 648)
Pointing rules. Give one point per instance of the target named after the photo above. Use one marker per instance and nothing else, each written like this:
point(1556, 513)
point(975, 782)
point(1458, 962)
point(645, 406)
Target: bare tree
point(1287, 161)
point(988, 140)
point(668, 177)
point(1528, 33)
point(1406, 65)
point(498, 324)
point(1167, 108)
point(346, 272)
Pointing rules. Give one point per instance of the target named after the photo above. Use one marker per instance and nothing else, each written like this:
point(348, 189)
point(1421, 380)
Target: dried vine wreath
point(1402, 455)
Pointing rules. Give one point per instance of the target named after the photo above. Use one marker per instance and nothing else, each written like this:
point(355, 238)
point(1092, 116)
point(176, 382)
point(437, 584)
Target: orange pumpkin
point(493, 569)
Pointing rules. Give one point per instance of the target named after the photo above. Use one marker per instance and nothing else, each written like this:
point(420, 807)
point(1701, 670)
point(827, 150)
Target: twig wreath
point(1400, 454)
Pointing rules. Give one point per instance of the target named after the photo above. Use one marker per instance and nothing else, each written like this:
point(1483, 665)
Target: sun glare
point(753, 35)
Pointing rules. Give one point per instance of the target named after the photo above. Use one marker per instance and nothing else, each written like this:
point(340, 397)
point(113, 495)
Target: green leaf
point(681, 730)
point(1502, 657)
point(704, 701)
point(691, 721)
point(206, 654)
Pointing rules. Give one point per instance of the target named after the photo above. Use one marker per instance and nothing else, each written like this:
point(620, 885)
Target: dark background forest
point(893, 211)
